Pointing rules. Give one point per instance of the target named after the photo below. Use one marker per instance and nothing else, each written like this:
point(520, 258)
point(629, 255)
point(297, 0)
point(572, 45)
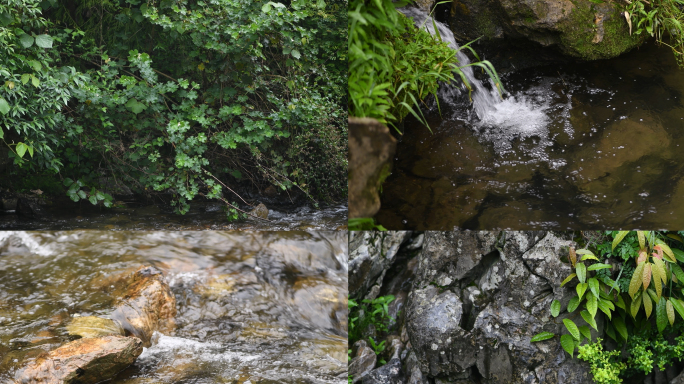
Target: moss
point(579, 31)
point(485, 24)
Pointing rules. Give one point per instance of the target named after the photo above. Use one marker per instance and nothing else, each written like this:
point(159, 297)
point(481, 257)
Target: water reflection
point(261, 307)
point(590, 146)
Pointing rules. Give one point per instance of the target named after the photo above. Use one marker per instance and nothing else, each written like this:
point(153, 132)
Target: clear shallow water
point(266, 307)
point(583, 145)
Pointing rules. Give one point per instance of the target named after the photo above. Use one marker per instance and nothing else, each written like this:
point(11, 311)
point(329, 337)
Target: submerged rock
point(260, 211)
point(88, 360)
point(92, 326)
point(147, 305)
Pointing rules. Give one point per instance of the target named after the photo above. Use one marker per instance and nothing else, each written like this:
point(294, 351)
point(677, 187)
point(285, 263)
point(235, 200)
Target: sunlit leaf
point(567, 279)
point(26, 40)
point(585, 331)
point(646, 275)
point(21, 149)
point(568, 344)
point(642, 239)
point(44, 41)
point(618, 238)
point(555, 308)
point(572, 328)
point(670, 312)
point(648, 306)
point(581, 288)
point(581, 271)
point(636, 281)
point(592, 304)
point(594, 286)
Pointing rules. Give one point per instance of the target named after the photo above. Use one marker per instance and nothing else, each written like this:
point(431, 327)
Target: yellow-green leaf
point(618, 238)
point(589, 319)
point(542, 336)
point(658, 287)
point(648, 306)
point(568, 344)
point(642, 239)
point(573, 304)
point(555, 308)
point(35, 81)
point(636, 303)
point(592, 304)
point(660, 268)
point(636, 281)
point(678, 306)
point(567, 279)
point(670, 312)
point(605, 309)
point(25, 78)
point(668, 252)
point(581, 288)
point(581, 271)
point(4, 106)
point(646, 275)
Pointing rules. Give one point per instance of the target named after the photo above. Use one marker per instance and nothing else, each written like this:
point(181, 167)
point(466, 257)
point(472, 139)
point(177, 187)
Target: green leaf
point(135, 106)
point(594, 286)
point(636, 303)
point(26, 40)
point(584, 252)
point(21, 149)
point(572, 328)
point(598, 266)
point(661, 315)
point(573, 304)
point(555, 308)
point(610, 331)
point(621, 303)
point(636, 281)
point(642, 239)
point(581, 288)
point(581, 270)
point(567, 279)
point(679, 254)
point(618, 238)
point(605, 307)
point(35, 65)
point(30, 150)
point(67, 182)
point(584, 330)
point(542, 336)
point(44, 41)
point(266, 8)
point(6, 19)
point(295, 53)
point(592, 304)
point(82, 194)
point(677, 270)
point(35, 81)
point(320, 4)
point(589, 319)
point(620, 326)
point(648, 305)
point(25, 78)
point(670, 311)
point(678, 306)
point(93, 200)
point(568, 344)
point(4, 106)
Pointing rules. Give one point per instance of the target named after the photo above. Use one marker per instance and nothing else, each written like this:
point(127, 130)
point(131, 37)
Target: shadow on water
point(266, 307)
point(580, 145)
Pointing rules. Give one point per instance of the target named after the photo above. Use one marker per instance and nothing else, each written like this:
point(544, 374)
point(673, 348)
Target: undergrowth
point(367, 315)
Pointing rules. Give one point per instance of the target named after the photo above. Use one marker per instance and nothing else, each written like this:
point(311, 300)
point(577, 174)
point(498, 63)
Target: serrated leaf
point(135, 106)
point(581, 271)
point(592, 304)
point(567, 279)
point(642, 239)
point(555, 308)
point(594, 286)
point(661, 315)
point(568, 344)
point(620, 327)
point(4, 106)
point(646, 275)
point(584, 330)
point(44, 41)
point(597, 266)
point(589, 319)
point(581, 288)
point(670, 312)
point(542, 336)
point(618, 238)
point(573, 304)
point(26, 40)
point(572, 328)
point(636, 303)
point(635, 283)
point(648, 305)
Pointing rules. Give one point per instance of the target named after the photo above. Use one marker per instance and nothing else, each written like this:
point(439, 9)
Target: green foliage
point(393, 65)
point(656, 18)
point(648, 279)
point(177, 96)
point(77, 191)
point(369, 313)
point(605, 366)
point(364, 224)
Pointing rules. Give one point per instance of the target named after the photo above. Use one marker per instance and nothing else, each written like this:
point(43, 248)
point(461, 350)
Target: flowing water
point(578, 145)
point(202, 215)
point(265, 307)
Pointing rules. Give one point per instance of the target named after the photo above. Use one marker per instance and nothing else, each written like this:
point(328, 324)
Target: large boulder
point(88, 360)
point(478, 299)
point(371, 150)
point(578, 28)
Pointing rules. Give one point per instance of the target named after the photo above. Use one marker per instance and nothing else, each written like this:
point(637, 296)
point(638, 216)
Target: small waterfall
point(484, 99)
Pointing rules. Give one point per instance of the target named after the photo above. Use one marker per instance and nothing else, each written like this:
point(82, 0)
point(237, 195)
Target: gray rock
point(413, 372)
point(363, 362)
point(370, 255)
point(389, 373)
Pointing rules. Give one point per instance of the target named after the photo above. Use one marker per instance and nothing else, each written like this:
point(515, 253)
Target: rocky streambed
point(466, 306)
point(173, 307)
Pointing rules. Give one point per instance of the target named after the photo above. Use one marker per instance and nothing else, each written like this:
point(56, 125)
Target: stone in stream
point(148, 305)
point(260, 211)
point(88, 360)
point(92, 326)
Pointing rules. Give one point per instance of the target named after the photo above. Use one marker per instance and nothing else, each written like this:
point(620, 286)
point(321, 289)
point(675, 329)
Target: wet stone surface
point(239, 298)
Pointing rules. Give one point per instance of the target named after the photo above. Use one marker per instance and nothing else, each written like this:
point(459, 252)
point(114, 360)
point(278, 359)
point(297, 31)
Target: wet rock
point(363, 362)
point(9, 204)
point(149, 210)
point(371, 149)
point(370, 255)
point(389, 373)
point(88, 360)
point(322, 304)
point(270, 191)
point(92, 326)
point(147, 305)
point(260, 211)
point(579, 28)
point(30, 208)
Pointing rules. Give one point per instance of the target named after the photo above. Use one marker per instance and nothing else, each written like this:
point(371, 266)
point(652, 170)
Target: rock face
point(89, 360)
point(579, 28)
point(147, 305)
point(371, 254)
point(476, 300)
point(371, 149)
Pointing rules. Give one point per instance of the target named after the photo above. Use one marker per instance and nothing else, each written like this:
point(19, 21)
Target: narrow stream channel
point(580, 145)
point(265, 307)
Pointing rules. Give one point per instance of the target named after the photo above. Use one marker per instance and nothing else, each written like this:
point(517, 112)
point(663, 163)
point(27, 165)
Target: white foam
point(206, 351)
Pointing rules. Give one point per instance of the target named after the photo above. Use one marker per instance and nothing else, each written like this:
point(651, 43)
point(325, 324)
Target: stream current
point(579, 145)
point(265, 307)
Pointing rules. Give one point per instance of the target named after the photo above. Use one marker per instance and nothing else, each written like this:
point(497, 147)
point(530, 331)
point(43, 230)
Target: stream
point(262, 307)
point(590, 145)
